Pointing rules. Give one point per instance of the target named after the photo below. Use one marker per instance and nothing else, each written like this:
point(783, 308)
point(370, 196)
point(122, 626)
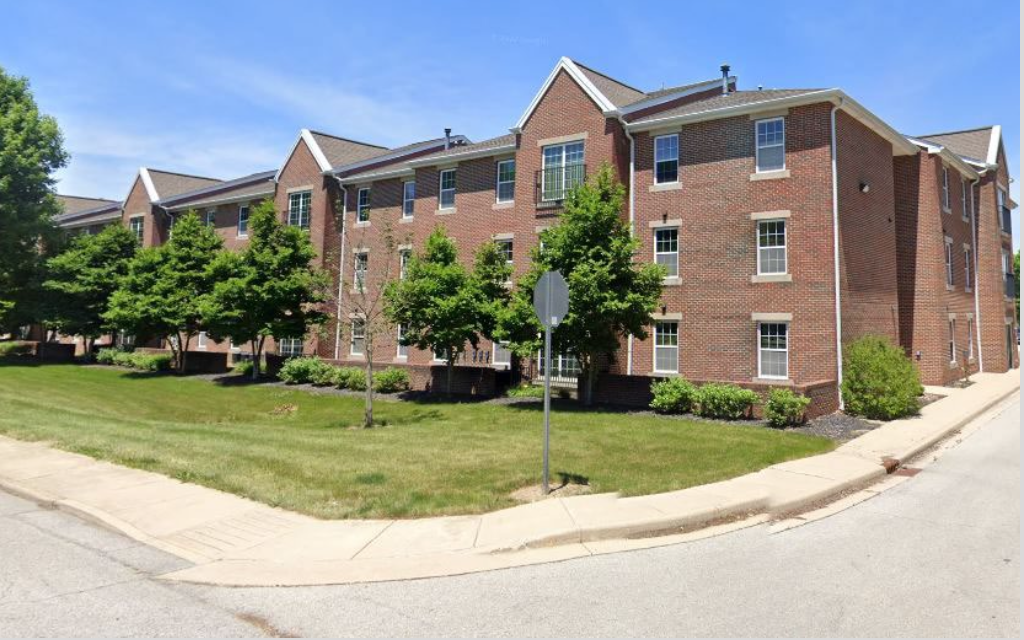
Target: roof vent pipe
point(447, 138)
point(725, 79)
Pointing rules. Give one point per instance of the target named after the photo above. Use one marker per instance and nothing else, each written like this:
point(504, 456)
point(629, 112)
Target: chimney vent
point(725, 79)
point(447, 138)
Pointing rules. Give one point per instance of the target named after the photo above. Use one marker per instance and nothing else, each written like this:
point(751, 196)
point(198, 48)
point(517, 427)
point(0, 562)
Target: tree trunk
point(257, 354)
point(183, 346)
point(451, 375)
point(368, 397)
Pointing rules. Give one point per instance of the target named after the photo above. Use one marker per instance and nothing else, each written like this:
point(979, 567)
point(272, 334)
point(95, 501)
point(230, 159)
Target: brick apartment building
point(790, 222)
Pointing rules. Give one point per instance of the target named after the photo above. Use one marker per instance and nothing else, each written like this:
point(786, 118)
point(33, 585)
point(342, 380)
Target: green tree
point(270, 288)
point(438, 303)
point(610, 295)
point(493, 276)
point(81, 279)
point(168, 288)
point(31, 150)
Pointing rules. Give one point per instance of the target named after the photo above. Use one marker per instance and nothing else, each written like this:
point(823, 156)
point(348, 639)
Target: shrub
point(243, 367)
point(303, 370)
point(784, 408)
point(106, 356)
point(150, 362)
point(324, 375)
point(391, 380)
point(526, 390)
point(880, 382)
point(16, 349)
point(673, 395)
point(352, 378)
point(726, 401)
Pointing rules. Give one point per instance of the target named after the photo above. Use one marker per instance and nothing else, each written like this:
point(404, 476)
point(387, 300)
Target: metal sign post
point(550, 303)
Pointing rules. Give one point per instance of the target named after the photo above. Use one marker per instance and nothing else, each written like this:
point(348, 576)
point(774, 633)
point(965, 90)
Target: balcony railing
point(1011, 285)
point(1006, 220)
point(555, 182)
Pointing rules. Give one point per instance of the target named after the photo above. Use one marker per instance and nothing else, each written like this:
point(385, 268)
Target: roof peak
point(605, 75)
point(344, 139)
point(183, 175)
point(949, 133)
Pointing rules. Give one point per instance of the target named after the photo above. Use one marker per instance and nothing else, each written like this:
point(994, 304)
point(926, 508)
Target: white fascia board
point(305, 136)
point(993, 145)
point(962, 166)
point(402, 172)
point(900, 144)
point(653, 102)
point(464, 155)
point(567, 65)
point(147, 181)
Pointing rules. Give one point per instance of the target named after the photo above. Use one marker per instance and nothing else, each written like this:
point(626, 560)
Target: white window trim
point(211, 218)
point(948, 257)
point(360, 207)
point(657, 230)
point(298, 196)
point(968, 268)
point(757, 147)
point(970, 339)
point(543, 167)
point(963, 200)
point(399, 346)
point(945, 190)
point(494, 355)
point(654, 150)
point(498, 182)
point(655, 347)
point(140, 234)
point(406, 200)
point(352, 337)
point(760, 368)
point(785, 246)
point(951, 327)
point(238, 225)
point(355, 269)
point(201, 341)
point(403, 262)
point(440, 189)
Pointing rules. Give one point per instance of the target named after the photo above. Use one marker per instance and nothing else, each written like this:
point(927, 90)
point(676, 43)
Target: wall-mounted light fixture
point(864, 187)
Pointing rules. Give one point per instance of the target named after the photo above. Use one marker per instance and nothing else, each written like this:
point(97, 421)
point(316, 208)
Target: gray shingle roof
point(619, 93)
point(169, 184)
point(971, 144)
point(239, 189)
point(101, 211)
point(733, 99)
point(342, 151)
point(76, 204)
point(454, 151)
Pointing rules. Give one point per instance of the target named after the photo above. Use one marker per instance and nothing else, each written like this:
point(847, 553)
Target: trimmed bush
point(391, 380)
point(16, 349)
point(784, 408)
point(324, 375)
point(725, 401)
point(106, 356)
point(673, 395)
point(526, 390)
point(243, 367)
point(880, 382)
point(133, 360)
point(352, 378)
point(303, 370)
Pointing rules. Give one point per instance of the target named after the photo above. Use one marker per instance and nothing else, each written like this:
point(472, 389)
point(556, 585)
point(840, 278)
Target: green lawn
point(299, 450)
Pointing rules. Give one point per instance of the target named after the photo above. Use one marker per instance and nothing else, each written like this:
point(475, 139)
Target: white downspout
point(975, 259)
point(341, 268)
point(632, 223)
point(835, 259)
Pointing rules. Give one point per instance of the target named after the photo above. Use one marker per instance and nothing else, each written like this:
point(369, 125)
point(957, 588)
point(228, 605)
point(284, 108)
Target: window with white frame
point(949, 262)
point(945, 189)
point(666, 250)
point(136, 224)
point(968, 265)
point(563, 170)
point(502, 355)
point(403, 349)
point(357, 343)
point(408, 198)
point(771, 247)
point(952, 340)
point(505, 248)
point(666, 159)
point(506, 188)
point(970, 339)
point(446, 196)
point(298, 208)
point(201, 341)
point(363, 205)
point(403, 262)
point(666, 346)
point(771, 145)
point(243, 221)
point(289, 347)
point(440, 354)
point(963, 198)
point(773, 350)
point(361, 263)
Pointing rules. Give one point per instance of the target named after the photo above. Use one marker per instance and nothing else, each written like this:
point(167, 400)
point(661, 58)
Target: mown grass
point(302, 451)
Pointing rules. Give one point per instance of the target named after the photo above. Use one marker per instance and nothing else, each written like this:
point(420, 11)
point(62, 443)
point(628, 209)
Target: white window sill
point(954, 365)
point(772, 277)
point(779, 382)
point(501, 365)
point(663, 374)
point(665, 186)
point(446, 212)
point(950, 287)
point(946, 210)
point(242, 236)
point(778, 174)
point(968, 290)
point(405, 219)
point(365, 223)
point(497, 206)
point(401, 359)
point(672, 281)
point(968, 220)
point(357, 356)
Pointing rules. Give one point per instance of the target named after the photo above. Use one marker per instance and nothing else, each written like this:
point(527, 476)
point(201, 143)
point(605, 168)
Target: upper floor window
point(243, 221)
point(361, 265)
point(666, 250)
point(1003, 212)
point(446, 197)
point(968, 265)
point(505, 247)
point(771, 144)
point(501, 355)
point(773, 350)
point(363, 205)
point(298, 208)
point(666, 159)
point(403, 262)
point(211, 218)
point(945, 189)
point(963, 198)
point(562, 171)
point(771, 247)
point(506, 189)
point(136, 224)
point(408, 198)
point(949, 262)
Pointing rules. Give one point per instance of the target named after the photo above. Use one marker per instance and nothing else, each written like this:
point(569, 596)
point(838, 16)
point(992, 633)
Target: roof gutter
point(835, 256)
point(974, 268)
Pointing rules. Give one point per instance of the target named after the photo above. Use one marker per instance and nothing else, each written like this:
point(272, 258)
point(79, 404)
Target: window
point(501, 355)
point(565, 367)
point(403, 349)
point(1004, 218)
point(963, 198)
point(563, 170)
point(136, 224)
point(970, 339)
point(505, 247)
point(201, 341)
point(289, 347)
point(211, 218)
point(952, 340)
point(363, 205)
point(403, 262)
point(362, 264)
point(773, 350)
point(506, 190)
point(357, 344)
point(666, 346)
point(945, 189)
point(771, 247)
point(446, 199)
point(968, 265)
point(298, 209)
point(666, 159)
point(408, 198)
point(243, 221)
point(949, 262)
point(771, 145)
point(666, 250)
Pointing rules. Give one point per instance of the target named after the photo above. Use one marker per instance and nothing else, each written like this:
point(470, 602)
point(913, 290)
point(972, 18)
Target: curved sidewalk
point(234, 541)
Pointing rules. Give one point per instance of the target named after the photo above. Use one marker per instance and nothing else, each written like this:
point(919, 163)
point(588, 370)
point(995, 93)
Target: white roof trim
point(305, 135)
point(993, 145)
point(239, 198)
point(951, 158)
point(372, 176)
point(462, 155)
point(567, 65)
point(147, 181)
point(653, 102)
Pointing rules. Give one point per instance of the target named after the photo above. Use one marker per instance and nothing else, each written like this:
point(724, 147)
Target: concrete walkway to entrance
point(234, 541)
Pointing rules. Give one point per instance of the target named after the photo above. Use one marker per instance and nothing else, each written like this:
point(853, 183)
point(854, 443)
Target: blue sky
point(222, 88)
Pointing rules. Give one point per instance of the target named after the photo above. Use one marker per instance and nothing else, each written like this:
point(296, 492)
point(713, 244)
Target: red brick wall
point(138, 203)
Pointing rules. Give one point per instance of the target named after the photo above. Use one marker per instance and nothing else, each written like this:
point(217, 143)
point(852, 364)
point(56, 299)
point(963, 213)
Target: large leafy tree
point(270, 288)
point(611, 295)
point(81, 279)
point(31, 150)
point(438, 302)
point(168, 288)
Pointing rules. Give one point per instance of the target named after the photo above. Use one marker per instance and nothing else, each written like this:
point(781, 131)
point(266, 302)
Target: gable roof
point(980, 145)
point(340, 151)
point(76, 204)
point(239, 189)
point(618, 93)
point(79, 214)
point(732, 99)
point(165, 184)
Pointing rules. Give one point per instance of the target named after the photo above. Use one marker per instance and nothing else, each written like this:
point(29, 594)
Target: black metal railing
point(554, 183)
point(1011, 285)
point(1006, 219)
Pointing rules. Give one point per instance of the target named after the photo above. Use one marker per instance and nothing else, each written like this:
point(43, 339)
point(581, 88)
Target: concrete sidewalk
point(234, 541)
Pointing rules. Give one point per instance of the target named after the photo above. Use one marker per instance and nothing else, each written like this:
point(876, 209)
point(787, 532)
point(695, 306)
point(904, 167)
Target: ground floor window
point(357, 345)
point(289, 347)
point(773, 350)
point(501, 355)
point(201, 341)
point(952, 340)
point(666, 346)
point(565, 368)
point(970, 338)
point(403, 349)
